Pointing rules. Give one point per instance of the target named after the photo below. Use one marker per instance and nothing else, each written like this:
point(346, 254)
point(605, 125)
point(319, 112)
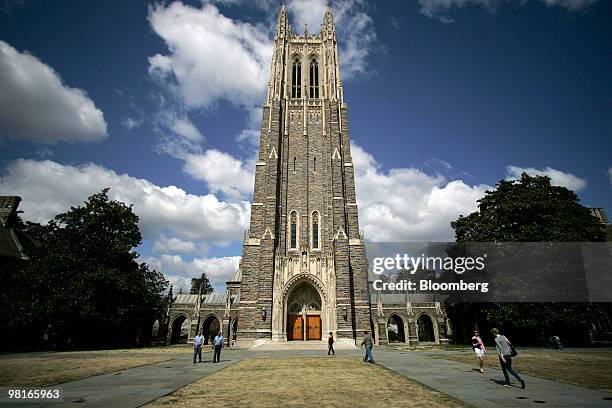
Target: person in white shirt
point(479, 348)
point(218, 346)
point(197, 347)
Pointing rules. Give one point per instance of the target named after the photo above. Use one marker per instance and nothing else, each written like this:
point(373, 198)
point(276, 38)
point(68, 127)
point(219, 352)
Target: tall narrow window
point(296, 79)
point(293, 230)
point(314, 79)
point(315, 230)
point(294, 159)
point(314, 165)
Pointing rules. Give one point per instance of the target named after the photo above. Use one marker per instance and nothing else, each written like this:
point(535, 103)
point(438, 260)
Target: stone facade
point(303, 272)
point(304, 229)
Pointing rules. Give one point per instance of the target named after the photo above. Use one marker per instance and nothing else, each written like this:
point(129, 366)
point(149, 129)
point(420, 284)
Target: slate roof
point(210, 299)
point(237, 276)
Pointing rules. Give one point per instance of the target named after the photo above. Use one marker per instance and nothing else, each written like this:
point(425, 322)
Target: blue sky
point(161, 103)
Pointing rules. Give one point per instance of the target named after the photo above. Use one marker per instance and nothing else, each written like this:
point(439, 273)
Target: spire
point(282, 23)
point(328, 19)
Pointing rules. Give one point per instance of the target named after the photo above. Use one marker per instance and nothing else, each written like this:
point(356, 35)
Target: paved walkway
point(486, 390)
point(136, 386)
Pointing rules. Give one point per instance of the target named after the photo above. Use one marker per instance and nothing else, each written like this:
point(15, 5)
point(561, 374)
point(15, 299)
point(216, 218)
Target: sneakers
point(507, 385)
point(481, 370)
point(522, 384)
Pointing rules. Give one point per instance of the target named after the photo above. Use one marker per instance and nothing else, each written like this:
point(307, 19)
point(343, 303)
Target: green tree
point(83, 285)
point(203, 282)
point(529, 210)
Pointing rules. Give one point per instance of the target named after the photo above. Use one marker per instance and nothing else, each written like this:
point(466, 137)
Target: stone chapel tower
point(304, 269)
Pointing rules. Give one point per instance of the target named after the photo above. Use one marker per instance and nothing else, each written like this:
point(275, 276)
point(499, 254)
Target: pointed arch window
point(293, 230)
point(314, 79)
point(296, 79)
point(315, 230)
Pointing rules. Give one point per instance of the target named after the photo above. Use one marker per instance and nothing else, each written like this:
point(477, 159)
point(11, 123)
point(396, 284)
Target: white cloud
point(180, 271)
point(306, 12)
point(131, 123)
point(406, 204)
point(248, 138)
point(610, 175)
point(570, 5)
point(557, 177)
point(222, 173)
point(211, 57)
point(48, 188)
point(36, 105)
point(185, 128)
point(174, 244)
point(440, 8)
point(356, 36)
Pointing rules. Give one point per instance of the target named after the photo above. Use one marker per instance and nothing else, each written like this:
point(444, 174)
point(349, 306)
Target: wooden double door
point(297, 331)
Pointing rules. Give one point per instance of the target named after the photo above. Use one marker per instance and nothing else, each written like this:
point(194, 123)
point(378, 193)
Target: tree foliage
point(83, 285)
point(528, 210)
point(203, 282)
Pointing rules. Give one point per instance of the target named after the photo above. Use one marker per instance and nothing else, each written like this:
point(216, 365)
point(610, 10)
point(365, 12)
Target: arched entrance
point(210, 328)
point(235, 329)
point(304, 313)
point(179, 333)
point(395, 329)
point(426, 330)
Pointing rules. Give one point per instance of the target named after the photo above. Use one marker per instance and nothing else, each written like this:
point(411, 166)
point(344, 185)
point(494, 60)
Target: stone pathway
point(486, 390)
point(136, 386)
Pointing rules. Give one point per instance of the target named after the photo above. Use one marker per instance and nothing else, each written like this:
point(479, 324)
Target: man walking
point(197, 347)
point(504, 351)
point(218, 346)
point(330, 344)
point(367, 342)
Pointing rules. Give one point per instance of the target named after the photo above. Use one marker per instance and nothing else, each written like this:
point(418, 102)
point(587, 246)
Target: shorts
point(479, 352)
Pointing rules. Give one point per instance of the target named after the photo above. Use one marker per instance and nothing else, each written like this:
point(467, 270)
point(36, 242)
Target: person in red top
point(479, 348)
point(330, 344)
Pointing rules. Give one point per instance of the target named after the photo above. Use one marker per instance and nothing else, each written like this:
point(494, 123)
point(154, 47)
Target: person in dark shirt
point(330, 344)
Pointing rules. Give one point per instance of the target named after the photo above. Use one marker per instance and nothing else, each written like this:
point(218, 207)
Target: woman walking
point(502, 344)
point(479, 349)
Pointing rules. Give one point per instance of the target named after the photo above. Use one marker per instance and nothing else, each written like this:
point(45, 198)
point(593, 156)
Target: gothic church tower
point(304, 269)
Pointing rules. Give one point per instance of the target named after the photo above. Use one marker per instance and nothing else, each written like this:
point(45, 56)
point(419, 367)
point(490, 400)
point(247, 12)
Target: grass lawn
point(306, 382)
point(48, 368)
point(587, 369)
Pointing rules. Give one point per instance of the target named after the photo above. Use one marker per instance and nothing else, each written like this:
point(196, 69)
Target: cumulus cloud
point(180, 271)
point(174, 244)
point(406, 204)
point(48, 188)
point(557, 177)
point(36, 105)
point(222, 173)
point(440, 8)
point(610, 175)
point(211, 57)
